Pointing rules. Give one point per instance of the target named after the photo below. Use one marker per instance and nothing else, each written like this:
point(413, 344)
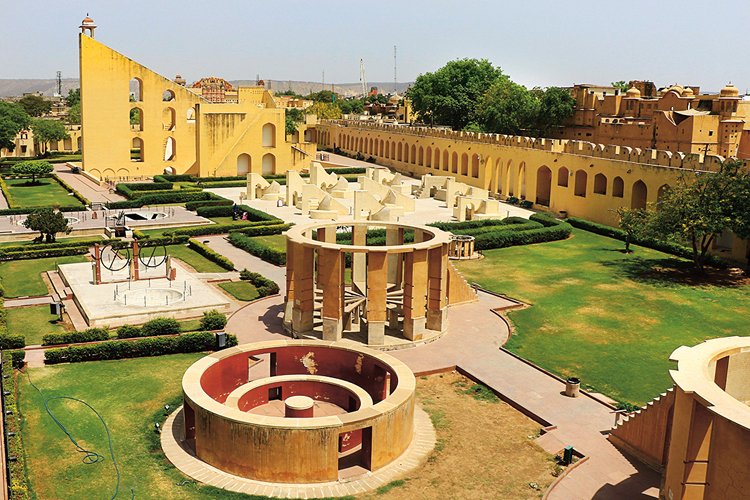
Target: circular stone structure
point(399, 287)
point(149, 297)
point(462, 247)
point(226, 427)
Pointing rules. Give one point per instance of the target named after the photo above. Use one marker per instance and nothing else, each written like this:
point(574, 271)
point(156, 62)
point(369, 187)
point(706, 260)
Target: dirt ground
point(485, 448)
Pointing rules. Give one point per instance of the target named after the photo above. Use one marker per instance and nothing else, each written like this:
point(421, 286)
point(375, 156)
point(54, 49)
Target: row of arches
point(137, 149)
point(168, 118)
point(135, 91)
point(245, 164)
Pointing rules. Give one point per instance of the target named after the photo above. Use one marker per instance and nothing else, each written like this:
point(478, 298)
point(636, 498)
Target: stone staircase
point(62, 291)
point(459, 289)
point(643, 432)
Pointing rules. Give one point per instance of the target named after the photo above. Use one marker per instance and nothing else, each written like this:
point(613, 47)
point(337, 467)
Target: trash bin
point(568, 455)
point(572, 387)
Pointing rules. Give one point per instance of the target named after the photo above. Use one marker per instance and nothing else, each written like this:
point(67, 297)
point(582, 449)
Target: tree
point(555, 106)
point(622, 86)
point(449, 96)
point(13, 119)
point(632, 221)
point(48, 130)
point(325, 110)
point(323, 96)
point(73, 97)
point(74, 114)
point(35, 105)
point(292, 118)
point(48, 222)
point(34, 168)
point(351, 106)
point(507, 108)
point(702, 205)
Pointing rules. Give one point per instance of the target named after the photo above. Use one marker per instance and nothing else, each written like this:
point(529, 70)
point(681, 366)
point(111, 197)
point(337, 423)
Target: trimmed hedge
point(263, 230)
point(215, 228)
point(213, 320)
point(11, 341)
point(176, 196)
point(160, 326)
point(42, 253)
point(660, 245)
point(58, 244)
point(223, 184)
point(70, 189)
point(253, 214)
point(553, 230)
point(135, 190)
point(453, 226)
point(211, 255)
point(17, 357)
point(254, 247)
point(6, 192)
point(28, 210)
point(89, 335)
point(18, 480)
point(194, 205)
point(263, 285)
point(120, 349)
point(174, 178)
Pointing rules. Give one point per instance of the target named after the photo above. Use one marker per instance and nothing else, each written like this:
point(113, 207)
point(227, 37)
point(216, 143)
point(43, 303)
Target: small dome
point(688, 92)
point(677, 89)
point(87, 21)
point(633, 93)
point(179, 79)
point(729, 91)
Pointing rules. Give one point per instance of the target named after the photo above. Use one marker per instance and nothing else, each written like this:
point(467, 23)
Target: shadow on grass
point(672, 272)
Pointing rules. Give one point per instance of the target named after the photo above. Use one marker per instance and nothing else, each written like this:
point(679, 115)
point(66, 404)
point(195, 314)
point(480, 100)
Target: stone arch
point(268, 164)
point(428, 157)
point(663, 190)
point(393, 150)
point(95, 172)
point(79, 144)
point(497, 177)
point(413, 154)
point(136, 150)
point(244, 164)
point(543, 185)
point(618, 187)
point(446, 160)
point(170, 149)
point(136, 119)
point(190, 115)
point(639, 195)
point(420, 158)
point(122, 174)
point(268, 135)
point(167, 95)
point(387, 149)
point(454, 162)
point(510, 179)
point(562, 176)
point(370, 147)
point(522, 180)
point(406, 153)
point(475, 166)
point(380, 149)
point(135, 90)
point(399, 151)
point(600, 184)
point(581, 179)
point(168, 118)
point(464, 164)
point(108, 174)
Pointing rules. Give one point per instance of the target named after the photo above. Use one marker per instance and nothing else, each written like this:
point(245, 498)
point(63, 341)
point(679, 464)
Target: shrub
point(526, 204)
point(175, 178)
point(162, 198)
point(17, 357)
point(213, 320)
point(69, 189)
point(11, 341)
point(211, 255)
point(160, 326)
point(129, 332)
point(89, 335)
point(263, 285)
point(19, 487)
point(262, 230)
point(553, 230)
point(43, 252)
point(217, 228)
point(512, 200)
point(21, 211)
point(257, 248)
point(193, 205)
point(120, 349)
point(226, 211)
point(223, 184)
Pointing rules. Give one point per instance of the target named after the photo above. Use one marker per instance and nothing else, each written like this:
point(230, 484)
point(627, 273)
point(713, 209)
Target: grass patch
point(194, 259)
point(190, 325)
point(240, 290)
point(274, 241)
point(609, 318)
point(45, 192)
point(24, 277)
point(228, 220)
point(31, 242)
point(388, 487)
point(33, 322)
point(481, 393)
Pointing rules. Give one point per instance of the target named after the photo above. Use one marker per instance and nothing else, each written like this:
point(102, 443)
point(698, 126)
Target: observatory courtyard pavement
point(473, 343)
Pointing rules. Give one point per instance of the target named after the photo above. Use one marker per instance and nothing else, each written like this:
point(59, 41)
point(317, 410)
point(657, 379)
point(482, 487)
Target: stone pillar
point(331, 281)
point(359, 260)
point(298, 407)
point(289, 299)
point(395, 236)
point(304, 292)
point(415, 294)
point(377, 285)
point(437, 273)
point(97, 264)
point(134, 270)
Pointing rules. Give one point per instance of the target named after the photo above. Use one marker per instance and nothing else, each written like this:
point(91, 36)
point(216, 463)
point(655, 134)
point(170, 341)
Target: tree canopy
point(325, 110)
point(34, 168)
point(292, 118)
point(449, 96)
point(73, 97)
point(13, 119)
point(74, 114)
point(48, 130)
point(701, 206)
point(48, 222)
point(621, 85)
point(507, 108)
point(35, 105)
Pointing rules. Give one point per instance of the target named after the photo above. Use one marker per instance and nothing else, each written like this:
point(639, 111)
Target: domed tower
point(729, 96)
point(179, 80)
point(630, 101)
point(88, 25)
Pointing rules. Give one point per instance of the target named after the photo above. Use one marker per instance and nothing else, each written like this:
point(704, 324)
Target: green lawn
point(606, 317)
point(32, 322)
point(194, 259)
point(274, 241)
point(130, 395)
point(44, 193)
point(240, 290)
point(23, 277)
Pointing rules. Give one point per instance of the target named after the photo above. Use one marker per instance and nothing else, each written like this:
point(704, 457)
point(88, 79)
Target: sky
point(537, 43)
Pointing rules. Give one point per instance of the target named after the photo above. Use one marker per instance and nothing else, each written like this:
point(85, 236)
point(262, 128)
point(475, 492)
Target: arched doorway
point(269, 135)
point(640, 193)
point(268, 165)
point(543, 185)
point(582, 179)
point(244, 163)
point(618, 187)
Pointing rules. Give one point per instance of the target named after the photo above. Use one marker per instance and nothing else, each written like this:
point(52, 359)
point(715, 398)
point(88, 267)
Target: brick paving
point(88, 188)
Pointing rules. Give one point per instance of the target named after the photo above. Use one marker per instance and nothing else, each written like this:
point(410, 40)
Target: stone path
point(88, 188)
point(28, 301)
point(473, 343)
point(243, 260)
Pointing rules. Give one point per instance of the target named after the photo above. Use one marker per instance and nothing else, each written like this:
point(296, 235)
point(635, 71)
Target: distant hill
point(16, 87)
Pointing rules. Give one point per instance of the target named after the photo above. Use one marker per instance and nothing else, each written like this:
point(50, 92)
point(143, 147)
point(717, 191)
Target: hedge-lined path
point(28, 301)
point(473, 343)
point(85, 186)
point(244, 260)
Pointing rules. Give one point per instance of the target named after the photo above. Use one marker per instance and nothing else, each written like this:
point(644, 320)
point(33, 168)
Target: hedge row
point(129, 190)
point(262, 230)
point(211, 255)
point(28, 210)
point(454, 226)
point(8, 340)
point(90, 335)
point(227, 211)
point(660, 245)
point(193, 205)
point(174, 178)
point(215, 228)
point(70, 189)
point(6, 193)
point(18, 481)
point(153, 346)
point(132, 194)
point(255, 247)
point(43, 252)
point(176, 196)
point(264, 286)
point(223, 184)
point(58, 244)
point(553, 230)
point(152, 328)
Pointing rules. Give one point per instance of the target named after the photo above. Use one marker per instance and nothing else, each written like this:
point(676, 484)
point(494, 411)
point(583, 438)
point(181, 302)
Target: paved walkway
point(88, 188)
point(473, 343)
point(243, 260)
point(30, 301)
